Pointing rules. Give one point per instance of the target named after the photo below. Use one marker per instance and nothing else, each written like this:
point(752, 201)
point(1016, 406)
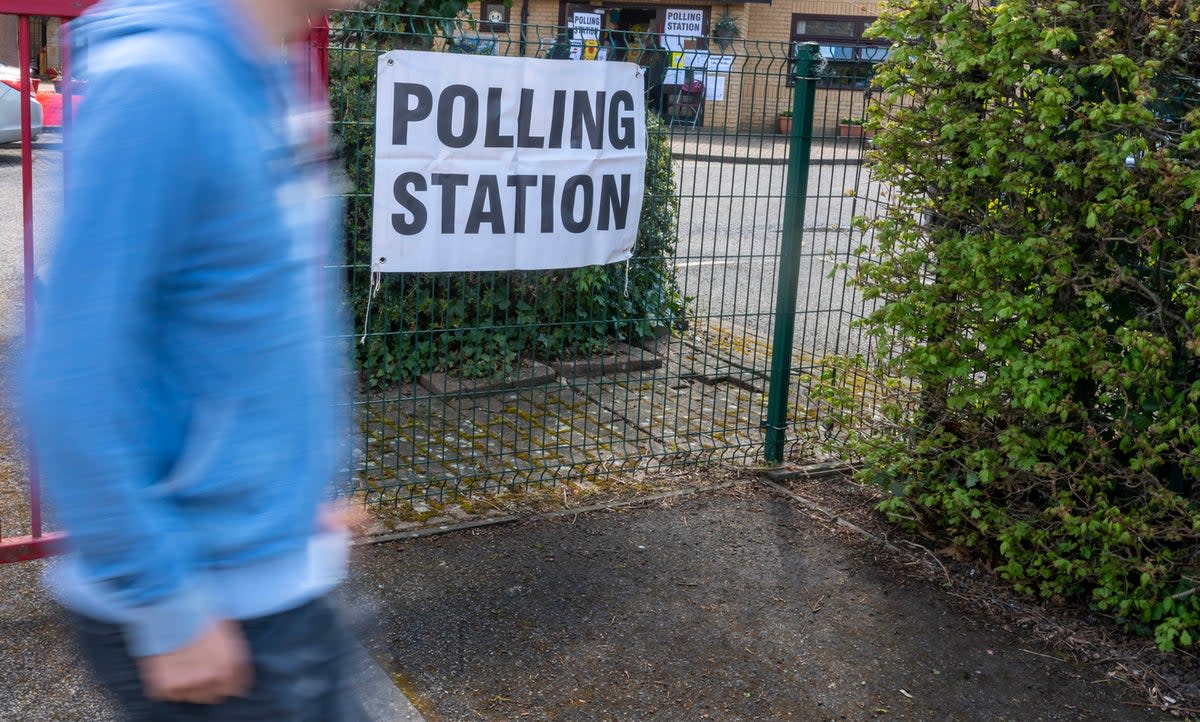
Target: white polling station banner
point(487, 163)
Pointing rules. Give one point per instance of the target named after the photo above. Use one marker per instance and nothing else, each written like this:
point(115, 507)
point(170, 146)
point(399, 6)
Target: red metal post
point(27, 548)
point(67, 94)
point(318, 60)
point(317, 70)
point(37, 545)
point(35, 491)
point(64, 55)
point(322, 38)
point(48, 8)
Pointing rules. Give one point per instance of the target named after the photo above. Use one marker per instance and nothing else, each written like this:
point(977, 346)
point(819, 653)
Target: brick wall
point(773, 23)
point(53, 25)
point(543, 15)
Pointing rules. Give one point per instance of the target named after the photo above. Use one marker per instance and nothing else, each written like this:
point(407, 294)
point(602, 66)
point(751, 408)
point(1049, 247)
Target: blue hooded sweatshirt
point(182, 390)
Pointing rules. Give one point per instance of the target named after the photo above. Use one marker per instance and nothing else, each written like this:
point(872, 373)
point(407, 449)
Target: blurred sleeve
point(131, 168)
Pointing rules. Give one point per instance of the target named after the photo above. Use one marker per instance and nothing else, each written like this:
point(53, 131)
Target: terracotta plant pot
point(847, 130)
point(785, 125)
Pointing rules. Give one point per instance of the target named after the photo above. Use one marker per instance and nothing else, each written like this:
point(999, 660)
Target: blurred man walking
point(182, 388)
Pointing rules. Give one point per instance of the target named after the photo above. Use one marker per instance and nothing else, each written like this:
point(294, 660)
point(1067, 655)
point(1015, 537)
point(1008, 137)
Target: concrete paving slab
point(531, 373)
point(621, 358)
point(415, 444)
point(556, 427)
point(685, 416)
point(381, 699)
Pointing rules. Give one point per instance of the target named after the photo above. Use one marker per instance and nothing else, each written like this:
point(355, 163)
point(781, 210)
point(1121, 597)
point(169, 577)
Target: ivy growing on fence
point(1038, 282)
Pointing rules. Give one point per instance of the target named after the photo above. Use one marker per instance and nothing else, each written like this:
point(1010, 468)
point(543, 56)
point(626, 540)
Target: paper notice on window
point(586, 26)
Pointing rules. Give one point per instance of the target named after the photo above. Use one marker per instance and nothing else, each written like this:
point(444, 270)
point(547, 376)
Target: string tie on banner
point(376, 281)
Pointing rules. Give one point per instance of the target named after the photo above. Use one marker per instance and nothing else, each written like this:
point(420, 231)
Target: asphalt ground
point(731, 224)
point(726, 605)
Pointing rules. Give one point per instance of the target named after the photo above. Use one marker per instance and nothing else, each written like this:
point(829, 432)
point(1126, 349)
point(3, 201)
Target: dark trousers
point(301, 671)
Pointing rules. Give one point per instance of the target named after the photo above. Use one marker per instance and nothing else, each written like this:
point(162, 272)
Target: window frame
point(861, 22)
point(858, 43)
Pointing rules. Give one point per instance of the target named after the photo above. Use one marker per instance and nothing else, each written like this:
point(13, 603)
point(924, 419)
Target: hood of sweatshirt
point(214, 20)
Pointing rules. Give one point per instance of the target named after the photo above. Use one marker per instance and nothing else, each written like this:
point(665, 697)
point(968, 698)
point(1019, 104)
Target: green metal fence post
point(808, 56)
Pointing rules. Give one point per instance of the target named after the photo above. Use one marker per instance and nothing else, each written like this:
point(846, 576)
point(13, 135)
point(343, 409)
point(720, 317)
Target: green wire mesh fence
point(475, 382)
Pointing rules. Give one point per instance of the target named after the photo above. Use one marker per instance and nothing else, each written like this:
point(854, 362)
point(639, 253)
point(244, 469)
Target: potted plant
point(851, 128)
point(785, 122)
point(725, 29)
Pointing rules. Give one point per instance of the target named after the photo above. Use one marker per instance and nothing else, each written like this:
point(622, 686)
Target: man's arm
point(130, 168)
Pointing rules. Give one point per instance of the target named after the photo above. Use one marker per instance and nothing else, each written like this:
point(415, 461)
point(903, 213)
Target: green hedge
point(483, 324)
point(1038, 280)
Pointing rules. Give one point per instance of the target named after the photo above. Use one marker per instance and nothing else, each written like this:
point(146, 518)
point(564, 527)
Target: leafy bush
point(390, 25)
point(421, 14)
point(481, 324)
point(1038, 280)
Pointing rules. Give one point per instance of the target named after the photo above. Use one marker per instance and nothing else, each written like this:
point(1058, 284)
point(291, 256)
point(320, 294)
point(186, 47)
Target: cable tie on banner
point(626, 278)
point(376, 281)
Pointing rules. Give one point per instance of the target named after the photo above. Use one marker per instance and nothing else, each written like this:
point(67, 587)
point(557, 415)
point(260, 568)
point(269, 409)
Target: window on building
point(850, 56)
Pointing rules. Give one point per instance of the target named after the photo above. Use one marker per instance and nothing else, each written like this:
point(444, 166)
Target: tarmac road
point(730, 226)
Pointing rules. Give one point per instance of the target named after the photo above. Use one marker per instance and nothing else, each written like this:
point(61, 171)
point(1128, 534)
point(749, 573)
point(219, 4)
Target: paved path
point(760, 148)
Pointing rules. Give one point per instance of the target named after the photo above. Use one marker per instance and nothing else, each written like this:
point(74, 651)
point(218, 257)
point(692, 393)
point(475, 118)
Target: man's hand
point(343, 516)
point(207, 670)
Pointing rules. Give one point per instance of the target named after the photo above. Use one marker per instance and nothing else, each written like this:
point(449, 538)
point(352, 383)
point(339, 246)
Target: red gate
point(39, 544)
